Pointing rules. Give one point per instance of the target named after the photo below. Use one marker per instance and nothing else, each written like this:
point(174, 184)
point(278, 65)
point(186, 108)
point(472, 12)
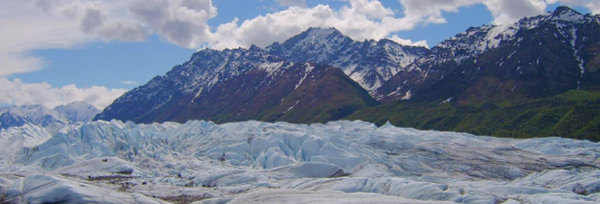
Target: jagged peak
point(253, 47)
point(564, 10)
point(315, 35)
point(319, 31)
point(566, 14)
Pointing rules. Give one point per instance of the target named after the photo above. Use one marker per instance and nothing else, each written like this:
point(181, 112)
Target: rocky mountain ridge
point(535, 58)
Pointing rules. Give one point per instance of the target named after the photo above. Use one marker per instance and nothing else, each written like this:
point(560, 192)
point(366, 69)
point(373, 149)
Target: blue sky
point(57, 52)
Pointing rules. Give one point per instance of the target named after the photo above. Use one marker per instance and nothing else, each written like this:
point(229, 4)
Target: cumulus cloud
point(361, 19)
point(56, 24)
point(183, 22)
point(369, 19)
point(17, 92)
point(102, 19)
point(26, 31)
point(297, 3)
point(503, 11)
point(509, 11)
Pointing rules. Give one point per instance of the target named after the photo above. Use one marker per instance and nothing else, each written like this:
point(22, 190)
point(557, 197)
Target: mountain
point(35, 114)
point(259, 162)
point(166, 97)
point(536, 77)
point(77, 111)
point(535, 57)
point(241, 84)
point(40, 115)
point(244, 84)
point(370, 63)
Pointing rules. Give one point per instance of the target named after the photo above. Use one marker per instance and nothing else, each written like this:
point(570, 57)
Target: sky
point(55, 52)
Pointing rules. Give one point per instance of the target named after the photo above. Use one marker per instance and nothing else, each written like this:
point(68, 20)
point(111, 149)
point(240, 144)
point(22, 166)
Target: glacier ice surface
point(354, 162)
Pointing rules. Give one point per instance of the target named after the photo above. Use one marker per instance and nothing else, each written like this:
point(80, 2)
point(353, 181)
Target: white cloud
point(361, 19)
point(17, 92)
point(104, 19)
point(264, 30)
point(509, 11)
point(297, 3)
point(503, 11)
point(23, 32)
point(183, 22)
point(33, 25)
point(129, 83)
point(401, 41)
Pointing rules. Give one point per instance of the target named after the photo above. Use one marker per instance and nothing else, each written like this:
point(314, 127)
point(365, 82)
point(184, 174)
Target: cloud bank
point(16, 92)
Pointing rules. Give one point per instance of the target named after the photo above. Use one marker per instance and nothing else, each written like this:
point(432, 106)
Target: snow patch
point(407, 95)
point(292, 107)
point(308, 67)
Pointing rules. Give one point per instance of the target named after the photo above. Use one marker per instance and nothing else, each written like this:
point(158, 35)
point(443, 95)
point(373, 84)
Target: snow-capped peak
point(321, 33)
point(321, 40)
point(370, 62)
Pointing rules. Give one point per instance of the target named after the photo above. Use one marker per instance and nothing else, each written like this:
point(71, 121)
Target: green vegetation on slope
point(573, 114)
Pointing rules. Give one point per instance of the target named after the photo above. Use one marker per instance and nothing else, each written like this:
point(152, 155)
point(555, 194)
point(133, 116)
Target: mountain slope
point(186, 82)
point(574, 114)
point(325, 94)
point(242, 84)
point(535, 57)
point(256, 95)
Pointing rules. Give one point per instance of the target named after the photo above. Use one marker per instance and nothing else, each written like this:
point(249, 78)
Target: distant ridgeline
point(537, 77)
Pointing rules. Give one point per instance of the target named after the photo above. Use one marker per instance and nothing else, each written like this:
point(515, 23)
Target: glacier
point(259, 162)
